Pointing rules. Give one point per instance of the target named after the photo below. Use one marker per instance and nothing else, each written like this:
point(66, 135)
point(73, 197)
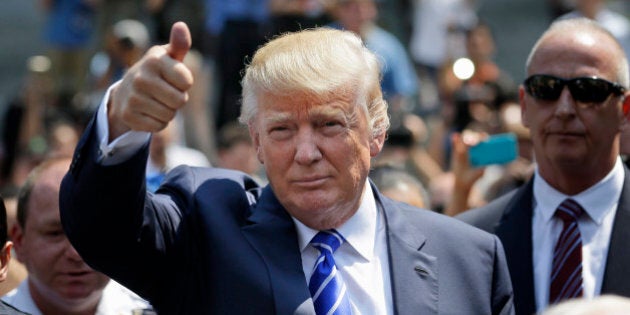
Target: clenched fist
point(152, 91)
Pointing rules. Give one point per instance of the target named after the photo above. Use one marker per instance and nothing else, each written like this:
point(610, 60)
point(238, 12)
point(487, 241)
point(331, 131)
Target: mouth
point(77, 274)
point(573, 134)
point(311, 182)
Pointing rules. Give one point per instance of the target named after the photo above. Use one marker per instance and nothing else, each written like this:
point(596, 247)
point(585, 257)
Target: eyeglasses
point(584, 90)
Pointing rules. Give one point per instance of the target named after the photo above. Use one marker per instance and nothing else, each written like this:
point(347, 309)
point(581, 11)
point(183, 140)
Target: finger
point(180, 41)
point(150, 121)
point(471, 138)
point(162, 92)
point(457, 143)
point(176, 74)
point(158, 112)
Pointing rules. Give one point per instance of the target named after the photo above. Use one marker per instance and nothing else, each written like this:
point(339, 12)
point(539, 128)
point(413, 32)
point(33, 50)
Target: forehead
point(44, 198)
point(43, 195)
point(303, 105)
point(575, 54)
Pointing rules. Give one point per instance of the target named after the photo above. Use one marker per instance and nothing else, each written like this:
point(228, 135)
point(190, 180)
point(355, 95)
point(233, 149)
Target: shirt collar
point(597, 200)
point(359, 231)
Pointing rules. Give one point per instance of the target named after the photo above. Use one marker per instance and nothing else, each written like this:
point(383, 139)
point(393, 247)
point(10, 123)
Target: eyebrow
point(326, 110)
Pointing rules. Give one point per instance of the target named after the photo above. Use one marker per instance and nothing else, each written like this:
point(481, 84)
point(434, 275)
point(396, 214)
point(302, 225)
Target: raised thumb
point(180, 41)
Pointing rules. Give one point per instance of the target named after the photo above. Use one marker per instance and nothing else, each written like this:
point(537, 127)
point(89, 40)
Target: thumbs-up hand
point(152, 91)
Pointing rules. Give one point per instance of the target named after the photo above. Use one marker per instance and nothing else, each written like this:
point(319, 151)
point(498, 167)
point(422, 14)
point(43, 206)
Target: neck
point(575, 179)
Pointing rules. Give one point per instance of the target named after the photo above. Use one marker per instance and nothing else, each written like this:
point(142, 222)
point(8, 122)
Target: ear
point(376, 144)
point(17, 237)
point(5, 257)
point(255, 135)
point(626, 105)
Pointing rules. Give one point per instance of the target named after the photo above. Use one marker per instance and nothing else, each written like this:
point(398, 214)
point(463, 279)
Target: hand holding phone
point(496, 149)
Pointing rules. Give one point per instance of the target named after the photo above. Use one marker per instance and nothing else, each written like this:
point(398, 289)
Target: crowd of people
point(310, 128)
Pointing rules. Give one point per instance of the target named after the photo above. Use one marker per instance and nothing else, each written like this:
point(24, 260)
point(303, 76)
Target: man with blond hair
point(319, 239)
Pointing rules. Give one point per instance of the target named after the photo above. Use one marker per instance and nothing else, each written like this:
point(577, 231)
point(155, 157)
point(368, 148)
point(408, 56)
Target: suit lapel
point(615, 276)
point(273, 235)
point(413, 272)
point(515, 232)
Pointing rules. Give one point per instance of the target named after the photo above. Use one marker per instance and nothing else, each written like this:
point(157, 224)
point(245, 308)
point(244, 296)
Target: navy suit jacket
point(211, 241)
point(510, 218)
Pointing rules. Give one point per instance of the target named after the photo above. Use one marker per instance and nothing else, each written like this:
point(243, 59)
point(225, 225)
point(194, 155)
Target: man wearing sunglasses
point(565, 231)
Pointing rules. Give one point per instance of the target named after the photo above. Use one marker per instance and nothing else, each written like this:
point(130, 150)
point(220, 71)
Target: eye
point(54, 233)
point(280, 132)
point(332, 127)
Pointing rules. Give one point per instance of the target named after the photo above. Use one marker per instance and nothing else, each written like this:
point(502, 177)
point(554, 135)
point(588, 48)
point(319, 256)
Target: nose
point(307, 150)
point(565, 106)
point(72, 253)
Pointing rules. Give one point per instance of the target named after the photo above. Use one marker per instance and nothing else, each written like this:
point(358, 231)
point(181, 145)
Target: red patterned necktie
point(566, 271)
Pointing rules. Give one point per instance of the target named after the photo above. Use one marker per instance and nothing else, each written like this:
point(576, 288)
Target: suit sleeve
point(502, 292)
point(103, 214)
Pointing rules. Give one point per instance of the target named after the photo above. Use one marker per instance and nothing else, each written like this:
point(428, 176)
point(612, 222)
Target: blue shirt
point(220, 11)
point(70, 24)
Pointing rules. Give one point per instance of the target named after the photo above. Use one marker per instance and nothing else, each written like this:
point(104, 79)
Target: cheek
point(275, 156)
point(42, 260)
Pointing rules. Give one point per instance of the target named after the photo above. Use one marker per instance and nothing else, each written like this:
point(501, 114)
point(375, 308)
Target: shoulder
point(488, 216)
point(218, 188)
point(193, 178)
point(439, 229)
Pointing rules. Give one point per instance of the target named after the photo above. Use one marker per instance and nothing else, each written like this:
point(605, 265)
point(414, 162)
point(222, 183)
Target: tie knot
point(569, 210)
point(328, 240)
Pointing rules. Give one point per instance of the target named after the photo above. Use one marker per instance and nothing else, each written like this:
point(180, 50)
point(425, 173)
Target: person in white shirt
point(575, 103)
point(59, 281)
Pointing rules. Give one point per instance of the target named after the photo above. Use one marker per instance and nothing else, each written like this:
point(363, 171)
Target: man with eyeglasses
point(565, 231)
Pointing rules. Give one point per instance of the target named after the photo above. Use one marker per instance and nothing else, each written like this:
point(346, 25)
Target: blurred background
point(57, 57)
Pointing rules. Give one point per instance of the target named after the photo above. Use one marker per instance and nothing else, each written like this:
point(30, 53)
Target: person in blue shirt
point(68, 34)
point(400, 83)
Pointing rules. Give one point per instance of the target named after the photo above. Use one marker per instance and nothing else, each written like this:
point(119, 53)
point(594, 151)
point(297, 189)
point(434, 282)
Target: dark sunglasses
point(584, 89)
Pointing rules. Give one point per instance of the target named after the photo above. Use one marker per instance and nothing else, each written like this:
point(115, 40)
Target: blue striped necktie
point(566, 271)
point(326, 286)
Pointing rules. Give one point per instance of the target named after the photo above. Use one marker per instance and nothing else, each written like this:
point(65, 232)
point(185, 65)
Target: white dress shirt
point(123, 147)
point(362, 260)
point(116, 300)
point(600, 205)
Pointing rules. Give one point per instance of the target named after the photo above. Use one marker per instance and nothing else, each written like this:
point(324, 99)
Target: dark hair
point(4, 237)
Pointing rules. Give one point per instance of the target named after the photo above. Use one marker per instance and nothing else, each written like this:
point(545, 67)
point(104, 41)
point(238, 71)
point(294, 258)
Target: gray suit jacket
point(211, 241)
point(510, 218)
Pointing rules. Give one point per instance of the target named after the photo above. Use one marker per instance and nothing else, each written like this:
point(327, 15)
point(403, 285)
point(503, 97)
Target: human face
point(316, 153)
point(570, 137)
point(57, 274)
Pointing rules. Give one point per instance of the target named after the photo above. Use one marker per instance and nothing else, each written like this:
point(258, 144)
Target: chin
point(81, 290)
